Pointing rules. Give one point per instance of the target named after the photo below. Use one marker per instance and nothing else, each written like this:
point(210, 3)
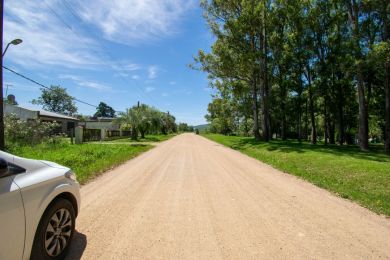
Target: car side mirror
point(3, 167)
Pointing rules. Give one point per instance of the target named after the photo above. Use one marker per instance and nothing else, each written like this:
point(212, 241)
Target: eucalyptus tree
point(294, 67)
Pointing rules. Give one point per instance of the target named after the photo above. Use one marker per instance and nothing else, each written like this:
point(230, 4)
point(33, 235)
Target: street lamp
point(13, 42)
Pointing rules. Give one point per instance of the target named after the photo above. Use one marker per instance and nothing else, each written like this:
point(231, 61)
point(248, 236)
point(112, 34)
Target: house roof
point(45, 113)
point(100, 119)
point(56, 115)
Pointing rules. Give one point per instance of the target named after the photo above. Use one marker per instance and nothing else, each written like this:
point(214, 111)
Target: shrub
point(18, 132)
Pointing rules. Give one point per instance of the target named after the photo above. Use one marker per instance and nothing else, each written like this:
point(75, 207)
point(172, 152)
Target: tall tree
point(56, 99)
point(354, 12)
point(104, 110)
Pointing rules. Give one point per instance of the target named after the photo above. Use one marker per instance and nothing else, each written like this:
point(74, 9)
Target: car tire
point(55, 231)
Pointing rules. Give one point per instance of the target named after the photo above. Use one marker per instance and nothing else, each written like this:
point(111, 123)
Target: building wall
point(100, 125)
point(21, 113)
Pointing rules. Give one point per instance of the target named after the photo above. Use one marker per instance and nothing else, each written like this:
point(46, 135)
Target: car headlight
point(71, 175)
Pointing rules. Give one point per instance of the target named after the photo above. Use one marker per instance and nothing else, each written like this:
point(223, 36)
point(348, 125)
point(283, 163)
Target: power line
point(69, 7)
point(45, 87)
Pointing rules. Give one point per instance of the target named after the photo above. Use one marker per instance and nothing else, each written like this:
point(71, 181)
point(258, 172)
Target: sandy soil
point(190, 198)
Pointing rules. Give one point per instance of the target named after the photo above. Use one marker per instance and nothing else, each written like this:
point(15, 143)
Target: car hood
point(29, 164)
point(53, 164)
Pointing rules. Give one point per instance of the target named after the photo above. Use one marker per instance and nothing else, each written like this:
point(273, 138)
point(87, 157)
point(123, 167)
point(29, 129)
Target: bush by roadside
point(21, 133)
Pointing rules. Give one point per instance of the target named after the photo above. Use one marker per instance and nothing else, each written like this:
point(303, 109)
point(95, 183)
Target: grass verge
point(363, 177)
point(86, 160)
point(148, 138)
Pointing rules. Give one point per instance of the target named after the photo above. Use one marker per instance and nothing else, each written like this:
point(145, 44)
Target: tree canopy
point(305, 69)
point(143, 119)
point(56, 99)
point(104, 110)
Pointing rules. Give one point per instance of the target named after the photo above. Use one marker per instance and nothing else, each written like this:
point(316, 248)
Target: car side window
point(15, 169)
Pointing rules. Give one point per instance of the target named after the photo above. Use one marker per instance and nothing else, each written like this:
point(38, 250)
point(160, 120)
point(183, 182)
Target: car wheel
point(55, 231)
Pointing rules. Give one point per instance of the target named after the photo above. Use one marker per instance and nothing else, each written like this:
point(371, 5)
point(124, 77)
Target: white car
point(39, 203)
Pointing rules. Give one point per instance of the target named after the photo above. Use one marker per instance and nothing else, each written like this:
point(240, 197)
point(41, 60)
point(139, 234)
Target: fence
point(91, 135)
point(88, 135)
point(113, 133)
point(126, 133)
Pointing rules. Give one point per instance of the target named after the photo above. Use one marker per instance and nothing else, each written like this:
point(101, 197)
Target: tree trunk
point(283, 108)
point(311, 107)
point(363, 113)
point(256, 132)
point(134, 134)
point(326, 124)
point(299, 137)
point(341, 115)
point(300, 106)
point(332, 139)
point(264, 81)
point(386, 79)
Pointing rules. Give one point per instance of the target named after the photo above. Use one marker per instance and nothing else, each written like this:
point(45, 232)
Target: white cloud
point(125, 66)
point(134, 21)
point(94, 85)
point(172, 83)
point(85, 83)
point(69, 76)
point(152, 72)
point(149, 89)
point(135, 77)
point(165, 94)
point(121, 74)
point(46, 41)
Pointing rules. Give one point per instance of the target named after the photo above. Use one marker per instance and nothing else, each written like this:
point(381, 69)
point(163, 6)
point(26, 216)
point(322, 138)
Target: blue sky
point(117, 51)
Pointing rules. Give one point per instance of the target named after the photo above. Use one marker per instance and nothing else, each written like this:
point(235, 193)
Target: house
point(27, 114)
point(102, 123)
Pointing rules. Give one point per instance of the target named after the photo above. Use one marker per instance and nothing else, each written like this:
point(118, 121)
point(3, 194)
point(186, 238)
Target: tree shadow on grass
point(77, 247)
point(375, 154)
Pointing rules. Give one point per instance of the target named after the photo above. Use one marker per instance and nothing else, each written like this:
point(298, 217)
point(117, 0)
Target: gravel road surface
point(190, 198)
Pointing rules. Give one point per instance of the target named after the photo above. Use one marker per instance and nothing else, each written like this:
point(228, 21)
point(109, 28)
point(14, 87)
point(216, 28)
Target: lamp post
point(14, 42)
point(2, 142)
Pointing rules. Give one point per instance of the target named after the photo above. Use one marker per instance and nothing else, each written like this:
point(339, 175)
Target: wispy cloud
point(172, 83)
point(93, 85)
point(85, 83)
point(125, 66)
point(149, 89)
point(133, 21)
point(69, 76)
point(45, 38)
point(152, 72)
point(135, 77)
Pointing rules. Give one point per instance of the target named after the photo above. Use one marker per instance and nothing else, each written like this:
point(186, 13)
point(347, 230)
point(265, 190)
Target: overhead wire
point(45, 87)
point(69, 7)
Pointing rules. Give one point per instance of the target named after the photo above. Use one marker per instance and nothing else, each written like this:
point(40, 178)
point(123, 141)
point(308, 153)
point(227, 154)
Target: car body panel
point(12, 220)
point(38, 186)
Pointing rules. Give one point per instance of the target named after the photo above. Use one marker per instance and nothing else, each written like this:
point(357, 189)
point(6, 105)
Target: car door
point(12, 222)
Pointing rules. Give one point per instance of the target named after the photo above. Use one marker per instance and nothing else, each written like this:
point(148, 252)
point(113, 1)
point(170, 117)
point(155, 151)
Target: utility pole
point(2, 142)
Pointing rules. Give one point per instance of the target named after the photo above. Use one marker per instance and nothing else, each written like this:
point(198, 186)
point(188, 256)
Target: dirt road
point(190, 198)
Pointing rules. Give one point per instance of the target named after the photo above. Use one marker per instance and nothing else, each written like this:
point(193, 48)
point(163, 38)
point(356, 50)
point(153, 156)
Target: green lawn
point(86, 160)
point(360, 176)
point(148, 138)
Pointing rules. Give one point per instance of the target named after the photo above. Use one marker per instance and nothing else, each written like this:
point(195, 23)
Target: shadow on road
point(77, 247)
